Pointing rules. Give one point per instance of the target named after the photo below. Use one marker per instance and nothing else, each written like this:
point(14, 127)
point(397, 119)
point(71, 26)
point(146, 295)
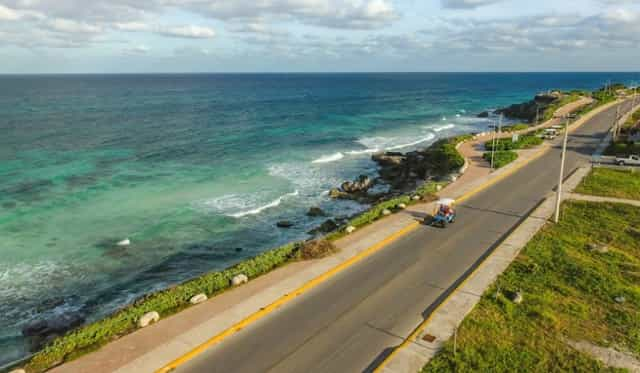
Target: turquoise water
point(196, 169)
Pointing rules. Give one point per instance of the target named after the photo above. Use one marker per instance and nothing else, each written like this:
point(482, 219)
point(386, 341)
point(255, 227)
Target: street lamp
point(564, 155)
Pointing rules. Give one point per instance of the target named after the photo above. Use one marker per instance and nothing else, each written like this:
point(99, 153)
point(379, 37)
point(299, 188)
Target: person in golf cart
point(446, 210)
point(445, 214)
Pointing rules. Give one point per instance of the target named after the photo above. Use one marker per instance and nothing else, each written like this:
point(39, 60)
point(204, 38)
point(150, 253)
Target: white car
point(632, 160)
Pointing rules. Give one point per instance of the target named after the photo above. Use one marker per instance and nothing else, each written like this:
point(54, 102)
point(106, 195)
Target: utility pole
point(493, 144)
point(616, 124)
point(495, 141)
point(564, 154)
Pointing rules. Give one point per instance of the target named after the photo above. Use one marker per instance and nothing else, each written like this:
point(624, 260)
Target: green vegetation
point(633, 120)
point(515, 127)
point(166, 302)
point(443, 155)
point(501, 158)
point(524, 142)
point(622, 149)
point(550, 110)
point(608, 182)
point(569, 290)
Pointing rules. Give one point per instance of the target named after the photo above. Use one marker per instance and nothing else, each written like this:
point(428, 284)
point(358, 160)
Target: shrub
point(317, 249)
point(501, 158)
point(524, 142)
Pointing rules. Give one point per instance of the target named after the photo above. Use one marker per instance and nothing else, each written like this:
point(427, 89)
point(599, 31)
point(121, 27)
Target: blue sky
point(80, 36)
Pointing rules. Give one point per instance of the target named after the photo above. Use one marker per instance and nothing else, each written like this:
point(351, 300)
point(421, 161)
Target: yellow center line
point(263, 312)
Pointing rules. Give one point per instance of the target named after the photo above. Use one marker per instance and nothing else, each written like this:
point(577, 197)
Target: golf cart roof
point(446, 201)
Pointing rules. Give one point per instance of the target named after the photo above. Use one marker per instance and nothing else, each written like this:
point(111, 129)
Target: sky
point(119, 36)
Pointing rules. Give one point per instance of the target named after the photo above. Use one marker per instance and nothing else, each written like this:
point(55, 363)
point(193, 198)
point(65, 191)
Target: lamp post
point(561, 177)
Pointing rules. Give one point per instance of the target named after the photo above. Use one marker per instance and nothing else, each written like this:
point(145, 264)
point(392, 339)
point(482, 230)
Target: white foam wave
point(443, 127)
point(363, 151)
point(329, 158)
point(375, 144)
point(419, 141)
point(238, 205)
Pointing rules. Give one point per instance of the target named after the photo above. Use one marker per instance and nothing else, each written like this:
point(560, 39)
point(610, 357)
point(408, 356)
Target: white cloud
point(72, 27)
point(8, 14)
point(132, 26)
point(191, 31)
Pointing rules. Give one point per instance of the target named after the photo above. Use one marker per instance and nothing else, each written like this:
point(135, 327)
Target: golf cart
point(445, 214)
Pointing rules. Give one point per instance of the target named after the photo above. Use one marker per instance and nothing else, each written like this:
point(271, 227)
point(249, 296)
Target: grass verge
point(569, 292)
point(607, 182)
point(501, 158)
point(525, 141)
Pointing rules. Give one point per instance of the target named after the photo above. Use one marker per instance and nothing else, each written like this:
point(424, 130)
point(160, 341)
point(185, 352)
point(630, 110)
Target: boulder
point(386, 212)
point(401, 206)
point(198, 298)
point(316, 249)
point(148, 319)
point(284, 224)
point(125, 242)
point(389, 159)
point(599, 248)
point(315, 212)
point(360, 185)
point(416, 198)
point(517, 297)
point(328, 226)
point(54, 326)
point(350, 229)
point(337, 193)
point(239, 280)
point(484, 114)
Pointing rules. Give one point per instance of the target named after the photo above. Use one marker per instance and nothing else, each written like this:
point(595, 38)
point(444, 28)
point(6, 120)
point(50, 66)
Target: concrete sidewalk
point(149, 349)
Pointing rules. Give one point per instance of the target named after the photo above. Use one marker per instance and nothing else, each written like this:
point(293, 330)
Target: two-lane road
point(353, 320)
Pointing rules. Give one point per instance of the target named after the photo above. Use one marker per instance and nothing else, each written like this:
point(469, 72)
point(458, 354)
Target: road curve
point(351, 322)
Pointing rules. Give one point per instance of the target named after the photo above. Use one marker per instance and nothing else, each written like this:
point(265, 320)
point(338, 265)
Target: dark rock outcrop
point(328, 226)
point(41, 330)
point(315, 212)
point(484, 114)
point(284, 224)
point(529, 110)
point(360, 185)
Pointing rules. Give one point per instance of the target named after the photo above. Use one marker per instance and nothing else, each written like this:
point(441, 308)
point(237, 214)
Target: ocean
point(196, 169)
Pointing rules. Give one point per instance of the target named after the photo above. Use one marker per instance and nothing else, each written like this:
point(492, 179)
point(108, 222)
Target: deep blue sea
point(196, 169)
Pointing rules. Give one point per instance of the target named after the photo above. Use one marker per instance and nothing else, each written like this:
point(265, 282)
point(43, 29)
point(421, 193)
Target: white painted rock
point(416, 198)
point(239, 280)
point(18, 371)
point(148, 319)
point(620, 299)
point(198, 298)
point(438, 188)
point(125, 242)
point(402, 206)
point(518, 298)
point(350, 229)
point(386, 212)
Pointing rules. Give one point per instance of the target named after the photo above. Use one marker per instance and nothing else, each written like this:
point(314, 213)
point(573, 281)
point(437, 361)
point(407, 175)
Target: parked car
point(632, 160)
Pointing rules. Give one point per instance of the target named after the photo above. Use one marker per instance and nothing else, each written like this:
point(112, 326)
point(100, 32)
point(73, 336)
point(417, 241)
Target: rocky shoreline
point(528, 111)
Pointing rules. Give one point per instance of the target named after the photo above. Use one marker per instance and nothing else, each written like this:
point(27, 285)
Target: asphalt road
point(351, 322)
